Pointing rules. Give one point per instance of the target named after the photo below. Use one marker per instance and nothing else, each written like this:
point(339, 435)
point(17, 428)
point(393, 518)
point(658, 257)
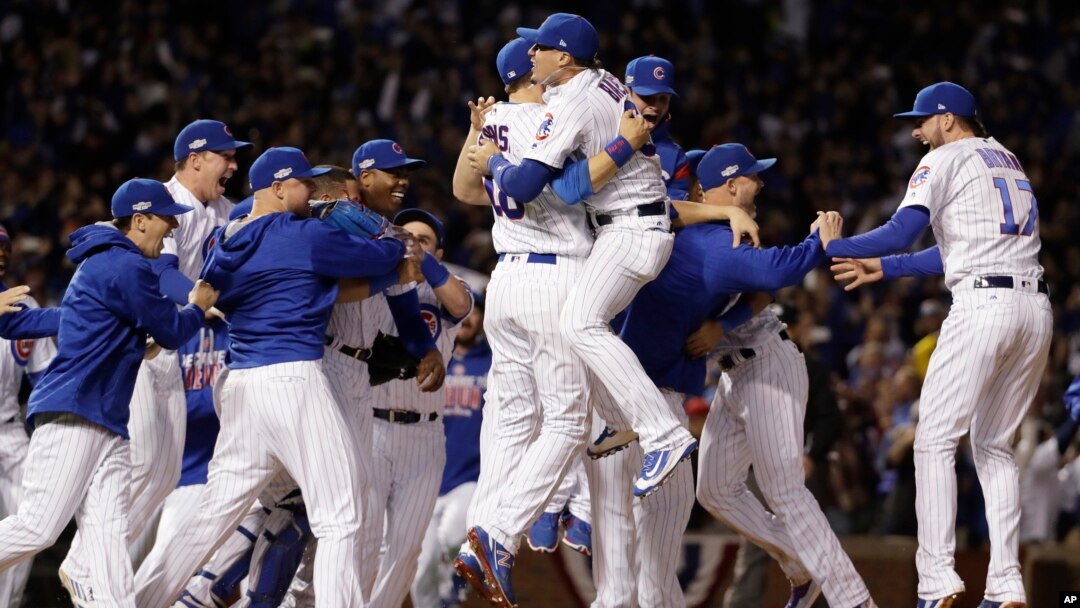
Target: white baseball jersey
point(546, 224)
point(186, 242)
point(26, 356)
point(982, 210)
point(763, 327)
point(581, 118)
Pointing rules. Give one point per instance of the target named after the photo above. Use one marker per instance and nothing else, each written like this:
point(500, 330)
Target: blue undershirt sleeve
point(925, 263)
point(412, 329)
point(174, 285)
point(574, 183)
point(522, 182)
point(897, 234)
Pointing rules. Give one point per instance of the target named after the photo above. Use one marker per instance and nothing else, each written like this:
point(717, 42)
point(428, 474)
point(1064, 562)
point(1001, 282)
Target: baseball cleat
point(992, 604)
point(82, 596)
point(468, 568)
point(578, 535)
point(803, 596)
point(943, 602)
point(497, 564)
point(659, 465)
point(543, 535)
point(609, 442)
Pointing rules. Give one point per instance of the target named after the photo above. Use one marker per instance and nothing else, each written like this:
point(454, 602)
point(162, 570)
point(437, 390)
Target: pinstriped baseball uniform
point(408, 461)
point(537, 392)
point(637, 544)
point(17, 357)
point(573, 493)
point(756, 419)
point(581, 117)
point(984, 217)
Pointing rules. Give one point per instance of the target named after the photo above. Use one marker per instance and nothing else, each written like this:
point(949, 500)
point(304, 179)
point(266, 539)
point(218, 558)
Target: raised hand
point(634, 128)
point(478, 109)
point(479, 154)
point(11, 297)
point(857, 271)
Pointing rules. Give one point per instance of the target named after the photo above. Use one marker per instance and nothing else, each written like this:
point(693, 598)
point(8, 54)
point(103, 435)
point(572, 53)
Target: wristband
point(436, 274)
point(620, 151)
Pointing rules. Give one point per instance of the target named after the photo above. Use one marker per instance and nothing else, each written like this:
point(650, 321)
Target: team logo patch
point(396, 148)
point(431, 317)
point(544, 131)
point(227, 131)
point(658, 72)
point(366, 163)
point(283, 173)
point(729, 170)
point(919, 178)
point(941, 106)
point(21, 350)
point(195, 145)
point(630, 79)
point(511, 74)
point(142, 205)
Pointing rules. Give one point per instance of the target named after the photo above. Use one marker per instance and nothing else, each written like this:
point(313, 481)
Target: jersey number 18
point(501, 203)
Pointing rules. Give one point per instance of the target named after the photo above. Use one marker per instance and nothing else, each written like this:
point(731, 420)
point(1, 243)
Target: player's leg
point(420, 454)
point(310, 436)
point(721, 485)
point(13, 447)
point(377, 497)
point(543, 534)
point(772, 387)
point(623, 259)
point(577, 520)
point(425, 585)
point(180, 505)
point(661, 520)
point(1011, 388)
point(451, 534)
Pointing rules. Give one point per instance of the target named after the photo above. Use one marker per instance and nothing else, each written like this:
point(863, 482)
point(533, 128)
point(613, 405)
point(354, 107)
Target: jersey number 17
point(1009, 226)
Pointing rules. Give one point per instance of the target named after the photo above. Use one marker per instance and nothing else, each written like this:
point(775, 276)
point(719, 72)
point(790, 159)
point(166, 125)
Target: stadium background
point(94, 93)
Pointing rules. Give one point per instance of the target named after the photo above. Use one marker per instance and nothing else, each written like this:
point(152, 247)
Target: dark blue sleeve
point(138, 300)
point(522, 182)
point(925, 263)
point(678, 185)
point(897, 234)
point(174, 285)
point(735, 316)
point(338, 254)
point(744, 268)
point(412, 328)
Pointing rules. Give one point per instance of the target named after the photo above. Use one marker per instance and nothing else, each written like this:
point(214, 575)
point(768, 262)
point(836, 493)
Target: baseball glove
point(352, 217)
point(389, 360)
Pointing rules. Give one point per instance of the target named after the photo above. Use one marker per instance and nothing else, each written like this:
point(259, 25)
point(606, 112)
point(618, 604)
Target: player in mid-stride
point(978, 200)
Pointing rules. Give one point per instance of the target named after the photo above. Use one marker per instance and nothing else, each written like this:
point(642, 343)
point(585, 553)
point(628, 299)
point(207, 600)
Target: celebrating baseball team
point(293, 401)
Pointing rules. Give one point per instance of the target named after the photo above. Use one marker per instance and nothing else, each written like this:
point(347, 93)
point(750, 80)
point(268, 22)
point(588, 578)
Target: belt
point(732, 360)
point(530, 258)
point(1006, 282)
point(360, 354)
point(657, 208)
point(403, 416)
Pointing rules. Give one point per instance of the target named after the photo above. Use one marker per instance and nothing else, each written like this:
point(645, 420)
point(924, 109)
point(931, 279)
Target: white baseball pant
point(627, 254)
point(573, 493)
point(989, 359)
point(445, 534)
point(637, 542)
point(75, 467)
point(13, 447)
point(535, 378)
point(757, 418)
point(274, 418)
point(157, 427)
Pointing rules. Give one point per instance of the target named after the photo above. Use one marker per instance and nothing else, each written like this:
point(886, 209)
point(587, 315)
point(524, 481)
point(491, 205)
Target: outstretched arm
point(899, 233)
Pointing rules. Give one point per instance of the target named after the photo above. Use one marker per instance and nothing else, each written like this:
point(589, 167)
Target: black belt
point(403, 416)
point(360, 354)
point(730, 360)
point(1004, 282)
point(657, 208)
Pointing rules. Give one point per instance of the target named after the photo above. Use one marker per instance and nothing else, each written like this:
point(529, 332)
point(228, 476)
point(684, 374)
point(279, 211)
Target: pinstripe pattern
point(627, 254)
point(585, 119)
point(444, 535)
point(186, 242)
point(637, 543)
point(997, 341)
point(276, 417)
point(180, 505)
point(573, 492)
point(74, 467)
point(548, 225)
point(757, 418)
point(535, 381)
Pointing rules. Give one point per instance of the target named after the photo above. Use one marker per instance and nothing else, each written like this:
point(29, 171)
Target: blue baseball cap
point(651, 76)
point(203, 135)
point(419, 215)
point(145, 196)
point(280, 164)
point(381, 154)
point(570, 33)
point(694, 156)
point(242, 208)
point(728, 161)
point(941, 98)
point(513, 60)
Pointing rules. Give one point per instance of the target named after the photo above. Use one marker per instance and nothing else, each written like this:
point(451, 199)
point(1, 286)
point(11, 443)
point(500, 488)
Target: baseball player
point(651, 81)
point(20, 358)
point(975, 195)
point(278, 271)
point(757, 415)
point(78, 462)
point(205, 154)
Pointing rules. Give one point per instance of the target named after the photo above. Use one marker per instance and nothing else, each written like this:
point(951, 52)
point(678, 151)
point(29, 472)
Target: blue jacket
point(704, 271)
point(29, 323)
point(278, 280)
point(673, 162)
point(109, 307)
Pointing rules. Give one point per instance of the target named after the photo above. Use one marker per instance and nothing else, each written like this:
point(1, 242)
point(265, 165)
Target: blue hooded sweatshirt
point(29, 323)
point(111, 304)
point(278, 279)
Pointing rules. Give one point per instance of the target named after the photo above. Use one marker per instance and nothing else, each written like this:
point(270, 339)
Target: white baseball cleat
point(609, 442)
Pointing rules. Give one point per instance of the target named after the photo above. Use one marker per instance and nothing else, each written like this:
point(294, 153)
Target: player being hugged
point(975, 196)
